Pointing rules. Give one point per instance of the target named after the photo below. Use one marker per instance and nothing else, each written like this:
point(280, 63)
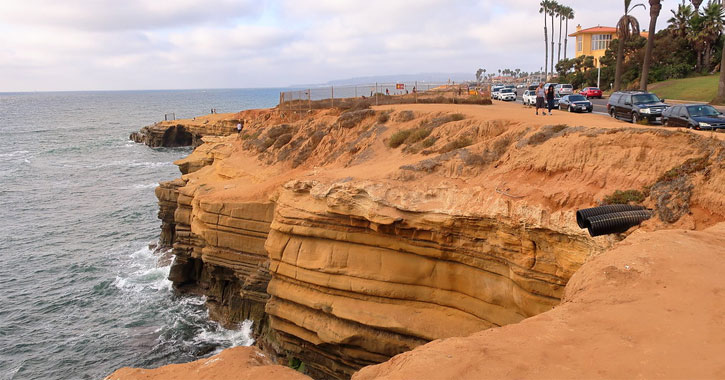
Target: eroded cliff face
point(355, 282)
point(345, 251)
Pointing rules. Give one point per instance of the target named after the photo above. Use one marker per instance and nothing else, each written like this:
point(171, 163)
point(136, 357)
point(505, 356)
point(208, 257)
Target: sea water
point(81, 292)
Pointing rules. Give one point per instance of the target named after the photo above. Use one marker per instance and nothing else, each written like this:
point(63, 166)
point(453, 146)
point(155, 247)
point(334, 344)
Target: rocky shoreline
point(346, 251)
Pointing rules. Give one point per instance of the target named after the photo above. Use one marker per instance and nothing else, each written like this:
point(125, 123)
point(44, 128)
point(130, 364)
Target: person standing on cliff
point(550, 98)
point(239, 127)
point(540, 98)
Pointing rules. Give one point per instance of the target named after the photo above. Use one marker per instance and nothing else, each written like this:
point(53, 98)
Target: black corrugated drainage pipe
point(583, 215)
point(616, 222)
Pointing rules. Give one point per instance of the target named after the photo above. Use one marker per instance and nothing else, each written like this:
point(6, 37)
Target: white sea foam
point(144, 274)
point(17, 153)
point(144, 281)
point(145, 185)
point(150, 164)
point(226, 338)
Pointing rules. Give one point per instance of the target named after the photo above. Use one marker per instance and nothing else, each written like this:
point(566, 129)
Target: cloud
point(74, 44)
point(125, 14)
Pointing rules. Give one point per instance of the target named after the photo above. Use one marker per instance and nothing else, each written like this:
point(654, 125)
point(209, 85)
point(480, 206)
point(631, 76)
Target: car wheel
point(570, 109)
point(611, 113)
point(665, 122)
point(635, 118)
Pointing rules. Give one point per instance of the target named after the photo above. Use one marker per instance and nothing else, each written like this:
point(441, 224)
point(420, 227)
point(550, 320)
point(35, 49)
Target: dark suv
point(636, 106)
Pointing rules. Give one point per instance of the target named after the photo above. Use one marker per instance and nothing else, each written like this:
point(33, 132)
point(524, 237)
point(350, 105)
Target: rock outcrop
point(355, 282)
point(189, 132)
point(345, 251)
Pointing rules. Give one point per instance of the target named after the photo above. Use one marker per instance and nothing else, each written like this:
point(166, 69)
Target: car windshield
point(576, 98)
point(645, 98)
point(566, 86)
point(696, 111)
point(593, 89)
point(506, 90)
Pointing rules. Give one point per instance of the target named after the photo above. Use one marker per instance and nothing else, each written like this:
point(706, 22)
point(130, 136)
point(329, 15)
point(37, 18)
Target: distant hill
point(396, 78)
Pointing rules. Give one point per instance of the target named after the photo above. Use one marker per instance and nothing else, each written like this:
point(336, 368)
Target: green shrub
point(427, 143)
point(418, 134)
point(409, 136)
point(457, 117)
point(399, 138)
point(404, 116)
point(383, 117)
point(458, 143)
point(688, 167)
point(624, 197)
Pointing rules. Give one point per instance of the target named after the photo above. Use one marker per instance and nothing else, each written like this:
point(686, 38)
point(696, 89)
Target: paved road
point(600, 105)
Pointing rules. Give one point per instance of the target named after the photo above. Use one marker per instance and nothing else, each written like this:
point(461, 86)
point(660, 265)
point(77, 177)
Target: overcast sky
point(179, 44)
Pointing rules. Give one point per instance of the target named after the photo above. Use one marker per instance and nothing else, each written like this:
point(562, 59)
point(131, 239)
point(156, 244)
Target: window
point(601, 41)
point(645, 98)
point(579, 44)
point(614, 98)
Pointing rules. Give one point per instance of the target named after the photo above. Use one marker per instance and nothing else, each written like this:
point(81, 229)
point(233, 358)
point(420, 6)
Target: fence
point(376, 94)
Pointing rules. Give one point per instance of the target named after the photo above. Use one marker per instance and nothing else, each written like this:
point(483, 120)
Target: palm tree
point(627, 27)
point(552, 13)
point(655, 6)
point(712, 26)
point(680, 20)
point(560, 13)
point(568, 15)
point(545, 4)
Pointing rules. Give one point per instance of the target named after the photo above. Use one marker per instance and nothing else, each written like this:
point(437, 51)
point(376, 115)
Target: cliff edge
point(350, 237)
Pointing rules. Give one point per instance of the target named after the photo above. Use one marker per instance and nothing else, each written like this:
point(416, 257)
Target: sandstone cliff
point(238, 363)
point(345, 251)
point(651, 308)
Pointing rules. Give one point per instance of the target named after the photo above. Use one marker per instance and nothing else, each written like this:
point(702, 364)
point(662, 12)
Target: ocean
point(81, 292)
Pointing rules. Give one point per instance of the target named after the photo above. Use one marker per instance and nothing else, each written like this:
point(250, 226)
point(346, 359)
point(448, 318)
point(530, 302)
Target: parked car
point(564, 89)
point(694, 116)
point(636, 106)
point(507, 94)
point(591, 92)
point(530, 97)
point(513, 87)
point(575, 103)
point(546, 86)
point(495, 90)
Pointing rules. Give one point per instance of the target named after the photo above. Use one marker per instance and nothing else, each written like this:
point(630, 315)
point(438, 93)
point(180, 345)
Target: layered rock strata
point(355, 282)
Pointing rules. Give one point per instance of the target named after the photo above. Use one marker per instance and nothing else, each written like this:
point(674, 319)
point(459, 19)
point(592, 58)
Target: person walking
point(239, 127)
point(540, 98)
point(550, 98)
